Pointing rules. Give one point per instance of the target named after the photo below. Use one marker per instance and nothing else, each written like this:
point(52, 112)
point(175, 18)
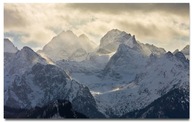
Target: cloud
point(166, 35)
point(159, 24)
point(115, 8)
point(13, 18)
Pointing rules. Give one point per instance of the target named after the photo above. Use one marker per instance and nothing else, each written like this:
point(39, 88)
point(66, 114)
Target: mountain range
point(120, 78)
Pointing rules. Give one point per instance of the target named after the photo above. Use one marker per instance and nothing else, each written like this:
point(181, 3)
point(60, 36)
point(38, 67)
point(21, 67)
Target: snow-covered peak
point(64, 45)
point(155, 50)
point(127, 61)
point(115, 32)
point(186, 51)
point(145, 81)
point(180, 55)
point(43, 84)
point(87, 44)
point(112, 39)
point(177, 50)
point(169, 54)
point(114, 35)
point(27, 49)
point(9, 47)
point(22, 60)
point(29, 55)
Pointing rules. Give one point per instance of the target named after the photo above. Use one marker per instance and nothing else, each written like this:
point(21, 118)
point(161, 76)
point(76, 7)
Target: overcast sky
point(34, 25)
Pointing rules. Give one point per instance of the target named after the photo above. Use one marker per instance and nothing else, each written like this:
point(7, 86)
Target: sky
point(34, 25)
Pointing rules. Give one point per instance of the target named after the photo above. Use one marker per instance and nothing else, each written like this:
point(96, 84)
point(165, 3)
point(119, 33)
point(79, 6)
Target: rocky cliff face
point(31, 82)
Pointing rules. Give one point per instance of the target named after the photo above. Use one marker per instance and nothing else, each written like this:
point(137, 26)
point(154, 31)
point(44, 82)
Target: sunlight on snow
point(100, 93)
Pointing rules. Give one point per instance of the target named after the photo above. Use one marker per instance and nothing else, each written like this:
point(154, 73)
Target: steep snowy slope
point(9, 47)
point(81, 61)
point(112, 39)
point(122, 76)
point(16, 64)
point(68, 46)
point(93, 63)
point(87, 43)
point(174, 104)
point(186, 51)
point(126, 61)
point(161, 74)
point(29, 81)
point(135, 75)
point(153, 49)
point(96, 61)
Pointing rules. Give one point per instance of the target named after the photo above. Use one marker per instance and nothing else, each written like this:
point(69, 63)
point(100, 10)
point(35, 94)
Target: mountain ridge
point(121, 76)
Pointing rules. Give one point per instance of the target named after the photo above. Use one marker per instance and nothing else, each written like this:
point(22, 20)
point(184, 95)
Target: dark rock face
point(56, 109)
point(150, 82)
point(85, 103)
point(174, 104)
point(45, 83)
point(180, 56)
point(48, 75)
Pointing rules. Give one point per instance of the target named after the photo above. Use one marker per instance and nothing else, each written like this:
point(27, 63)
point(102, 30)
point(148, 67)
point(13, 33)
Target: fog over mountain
point(72, 77)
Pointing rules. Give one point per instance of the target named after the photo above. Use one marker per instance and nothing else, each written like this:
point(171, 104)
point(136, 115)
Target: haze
point(34, 25)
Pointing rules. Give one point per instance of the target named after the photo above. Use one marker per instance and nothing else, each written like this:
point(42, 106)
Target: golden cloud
point(160, 24)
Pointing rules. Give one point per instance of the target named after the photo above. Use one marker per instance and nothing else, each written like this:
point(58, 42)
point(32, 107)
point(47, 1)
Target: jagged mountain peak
point(177, 50)
point(135, 75)
point(9, 46)
point(153, 46)
point(112, 39)
point(186, 47)
point(154, 49)
point(49, 83)
point(168, 54)
point(114, 31)
point(29, 54)
point(117, 33)
point(186, 51)
point(7, 40)
point(180, 55)
point(27, 49)
point(23, 60)
point(64, 45)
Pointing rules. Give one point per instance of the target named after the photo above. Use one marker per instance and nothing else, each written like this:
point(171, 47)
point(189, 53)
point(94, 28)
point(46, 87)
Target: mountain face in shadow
point(57, 109)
